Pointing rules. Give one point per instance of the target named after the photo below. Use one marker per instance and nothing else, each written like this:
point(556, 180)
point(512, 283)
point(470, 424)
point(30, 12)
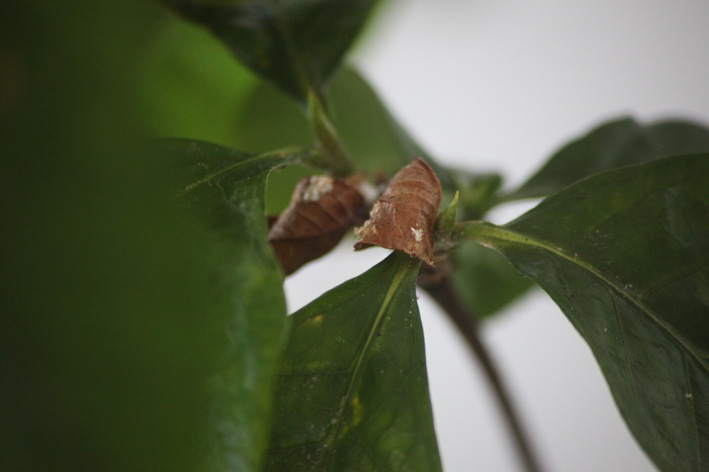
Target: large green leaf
point(296, 44)
point(352, 394)
point(625, 254)
point(103, 348)
point(245, 303)
point(613, 145)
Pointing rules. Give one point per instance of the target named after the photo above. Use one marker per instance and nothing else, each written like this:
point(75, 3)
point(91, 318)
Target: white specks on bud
point(318, 186)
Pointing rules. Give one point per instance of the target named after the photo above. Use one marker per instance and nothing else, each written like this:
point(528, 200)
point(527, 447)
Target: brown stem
point(466, 323)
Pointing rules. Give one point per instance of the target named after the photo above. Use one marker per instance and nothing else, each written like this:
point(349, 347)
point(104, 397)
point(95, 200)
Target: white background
point(499, 85)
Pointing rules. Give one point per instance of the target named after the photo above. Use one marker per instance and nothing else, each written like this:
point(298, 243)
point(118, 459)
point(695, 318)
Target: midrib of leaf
point(488, 234)
point(245, 162)
point(404, 265)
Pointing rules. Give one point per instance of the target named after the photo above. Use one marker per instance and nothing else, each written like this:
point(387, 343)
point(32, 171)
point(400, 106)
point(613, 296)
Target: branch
point(466, 322)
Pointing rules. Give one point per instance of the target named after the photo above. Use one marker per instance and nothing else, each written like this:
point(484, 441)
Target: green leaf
point(610, 146)
point(191, 87)
point(352, 393)
point(245, 304)
point(625, 254)
point(295, 44)
point(484, 280)
point(104, 353)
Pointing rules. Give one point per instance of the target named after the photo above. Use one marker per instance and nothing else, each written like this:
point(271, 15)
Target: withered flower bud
point(403, 216)
point(321, 211)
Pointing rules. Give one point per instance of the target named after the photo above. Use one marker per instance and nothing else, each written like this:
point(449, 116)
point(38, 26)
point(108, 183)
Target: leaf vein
point(493, 235)
point(393, 287)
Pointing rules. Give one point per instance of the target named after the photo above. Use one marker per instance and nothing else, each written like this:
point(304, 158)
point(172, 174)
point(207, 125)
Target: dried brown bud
point(321, 211)
point(403, 217)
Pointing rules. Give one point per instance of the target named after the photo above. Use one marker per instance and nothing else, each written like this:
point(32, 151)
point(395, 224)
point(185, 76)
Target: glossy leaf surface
point(625, 254)
point(295, 44)
point(613, 145)
point(352, 391)
point(245, 304)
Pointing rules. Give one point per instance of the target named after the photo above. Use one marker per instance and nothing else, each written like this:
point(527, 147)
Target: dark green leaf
point(296, 44)
point(484, 280)
point(352, 393)
point(245, 304)
point(610, 146)
point(625, 254)
point(102, 346)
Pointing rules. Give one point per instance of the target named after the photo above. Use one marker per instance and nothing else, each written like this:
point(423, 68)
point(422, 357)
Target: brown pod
point(321, 211)
point(403, 217)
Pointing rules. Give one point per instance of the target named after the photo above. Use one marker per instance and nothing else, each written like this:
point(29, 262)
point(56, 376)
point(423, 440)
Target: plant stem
point(328, 140)
point(466, 323)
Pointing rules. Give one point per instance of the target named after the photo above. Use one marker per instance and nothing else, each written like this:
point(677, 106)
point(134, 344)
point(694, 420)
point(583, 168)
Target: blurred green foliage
point(104, 352)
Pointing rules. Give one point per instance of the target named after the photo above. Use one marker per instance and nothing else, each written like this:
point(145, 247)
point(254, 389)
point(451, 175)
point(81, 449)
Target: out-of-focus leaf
point(625, 254)
point(379, 144)
point(103, 348)
point(295, 44)
point(352, 393)
point(374, 141)
point(192, 87)
point(245, 304)
point(479, 193)
point(484, 280)
point(267, 119)
point(610, 146)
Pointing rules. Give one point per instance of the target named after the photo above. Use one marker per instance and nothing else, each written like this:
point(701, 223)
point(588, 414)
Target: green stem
point(327, 139)
point(466, 323)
